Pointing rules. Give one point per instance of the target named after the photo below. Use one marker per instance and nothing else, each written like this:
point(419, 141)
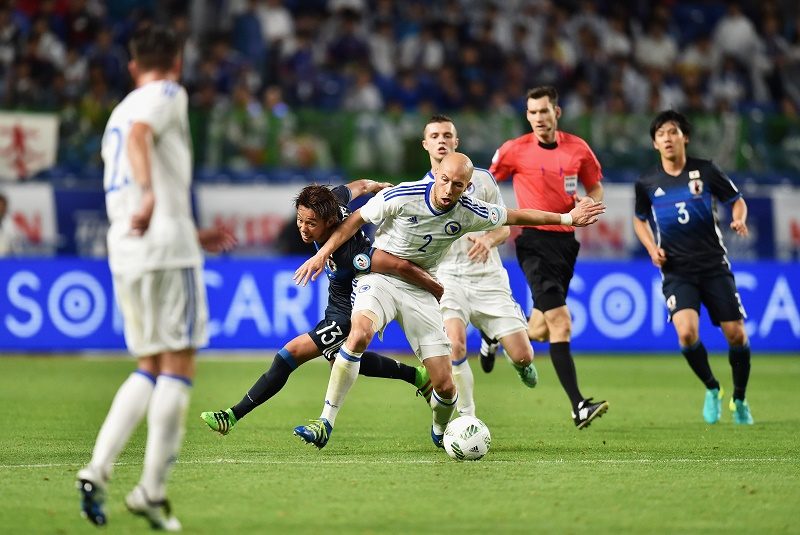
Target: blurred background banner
point(67, 304)
point(31, 218)
point(28, 143)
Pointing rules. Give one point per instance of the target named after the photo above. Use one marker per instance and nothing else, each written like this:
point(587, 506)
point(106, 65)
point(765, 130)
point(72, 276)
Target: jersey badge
point(413, 220)
point(470, 188)
point(494, 216)
point(695, 185)
point(363, 289)
point(659, 192)
point(570, 184)
point(452, 228)
point(330, 265)
point(694, 173)
point(361, 262)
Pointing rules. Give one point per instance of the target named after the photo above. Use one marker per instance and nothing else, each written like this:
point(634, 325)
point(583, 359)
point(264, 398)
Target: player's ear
point(455, 146)
point(654, 145)
point(558, 112)
point(133, 69)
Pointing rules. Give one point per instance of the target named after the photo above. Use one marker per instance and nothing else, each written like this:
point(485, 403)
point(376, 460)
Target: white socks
point(442, 411)
point(166, 426)
point(343, 375)
point(127, 410)
point(465, 383)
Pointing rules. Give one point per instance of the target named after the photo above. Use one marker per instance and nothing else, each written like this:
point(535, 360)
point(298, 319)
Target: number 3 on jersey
point(683, 213)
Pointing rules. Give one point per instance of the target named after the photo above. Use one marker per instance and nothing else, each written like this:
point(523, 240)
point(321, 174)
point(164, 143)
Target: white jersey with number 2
point(171, 239)
point(411, 228)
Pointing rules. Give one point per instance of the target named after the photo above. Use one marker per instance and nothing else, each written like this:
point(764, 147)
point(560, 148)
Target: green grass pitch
point(650, 465)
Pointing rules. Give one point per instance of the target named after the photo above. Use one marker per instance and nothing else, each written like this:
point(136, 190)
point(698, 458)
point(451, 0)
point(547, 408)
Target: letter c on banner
point(618, 305)
point(76, 304)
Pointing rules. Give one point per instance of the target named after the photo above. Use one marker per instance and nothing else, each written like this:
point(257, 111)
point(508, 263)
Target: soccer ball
point(467, 439)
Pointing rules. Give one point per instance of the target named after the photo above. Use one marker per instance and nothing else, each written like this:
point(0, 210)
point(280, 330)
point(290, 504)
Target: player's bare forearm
point(645, 234)
point(586, 212)
point(365, 186)
point(498, 236)
point(596, 193)
point(343, 232)
point(138, 149)
point(739, 217)
point(388, 264)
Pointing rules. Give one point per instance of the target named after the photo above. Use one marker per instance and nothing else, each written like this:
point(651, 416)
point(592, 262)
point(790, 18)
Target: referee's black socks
point(561, 356)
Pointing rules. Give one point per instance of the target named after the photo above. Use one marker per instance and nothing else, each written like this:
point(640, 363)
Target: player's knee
point(687, 337)
point(458, 348)
point(444, 387)
point(538, 332)
point(736, 337)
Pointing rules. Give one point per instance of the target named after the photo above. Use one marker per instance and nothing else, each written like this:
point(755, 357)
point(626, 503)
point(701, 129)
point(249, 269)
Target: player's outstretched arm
point(585, 213)
point(388, 264)
point(365, 186)
point(739, 217)
point(645, 234)
point(313, 267)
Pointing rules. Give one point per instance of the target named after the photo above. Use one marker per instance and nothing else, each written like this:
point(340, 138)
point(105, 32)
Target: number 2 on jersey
point(115, 182)
point(683, 213)
point(428, 239)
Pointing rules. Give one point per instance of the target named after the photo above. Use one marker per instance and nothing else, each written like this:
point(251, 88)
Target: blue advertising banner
point(67, 304)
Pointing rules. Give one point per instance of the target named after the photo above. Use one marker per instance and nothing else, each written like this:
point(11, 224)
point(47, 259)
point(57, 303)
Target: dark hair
point(670, 116)
point(320, 199)
point(437, 118)
point(154, 47)
point(544, 91)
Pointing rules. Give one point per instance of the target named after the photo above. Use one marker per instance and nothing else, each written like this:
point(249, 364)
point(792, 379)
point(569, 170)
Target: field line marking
point(725, 460)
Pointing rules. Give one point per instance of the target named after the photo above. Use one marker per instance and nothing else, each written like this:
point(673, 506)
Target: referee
point(546, 166)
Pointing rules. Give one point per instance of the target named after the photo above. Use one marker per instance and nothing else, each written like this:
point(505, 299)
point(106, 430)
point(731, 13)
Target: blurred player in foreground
point(157, 268)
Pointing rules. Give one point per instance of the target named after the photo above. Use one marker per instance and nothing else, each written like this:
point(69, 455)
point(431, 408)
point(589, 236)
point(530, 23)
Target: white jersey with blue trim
point(171, 239)
point(456, 263)
point(413, 229)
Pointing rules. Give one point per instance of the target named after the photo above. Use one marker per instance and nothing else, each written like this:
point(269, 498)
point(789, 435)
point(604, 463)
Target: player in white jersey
point(418, 222)
point(476, 287)
point(156, 264)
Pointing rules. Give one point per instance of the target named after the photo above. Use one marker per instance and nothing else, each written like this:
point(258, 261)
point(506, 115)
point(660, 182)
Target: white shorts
point(488, 305)
point(163, 310)
point(415, 310)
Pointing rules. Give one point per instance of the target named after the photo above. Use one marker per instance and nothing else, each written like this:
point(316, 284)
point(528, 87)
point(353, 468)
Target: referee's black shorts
point(548, 260)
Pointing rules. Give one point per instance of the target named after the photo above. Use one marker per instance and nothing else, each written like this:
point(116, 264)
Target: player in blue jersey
point(319, 212)
point(679, 195)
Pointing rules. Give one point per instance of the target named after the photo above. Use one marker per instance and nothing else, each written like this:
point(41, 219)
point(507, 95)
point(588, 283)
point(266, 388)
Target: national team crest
point(470, 188)
point(696, 186)
point(452, 228)
point(361, 262)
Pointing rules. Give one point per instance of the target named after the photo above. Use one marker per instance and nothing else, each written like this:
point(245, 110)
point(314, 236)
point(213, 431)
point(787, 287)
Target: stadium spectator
point(679, 194)
point(156, 264)
point(547, 256)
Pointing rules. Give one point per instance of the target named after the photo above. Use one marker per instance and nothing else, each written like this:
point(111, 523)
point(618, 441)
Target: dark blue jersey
point(351, 258)
point(683, 210)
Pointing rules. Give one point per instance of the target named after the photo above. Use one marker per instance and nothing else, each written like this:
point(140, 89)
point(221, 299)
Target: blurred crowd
point(256, 60)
